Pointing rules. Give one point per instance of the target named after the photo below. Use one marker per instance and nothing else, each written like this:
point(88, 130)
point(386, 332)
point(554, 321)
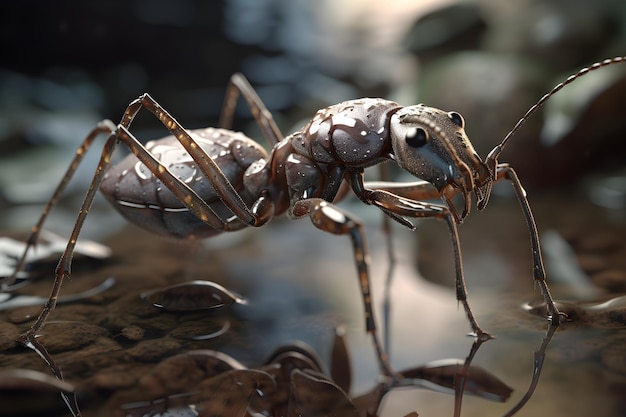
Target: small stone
point(68, 335)
point(153, 350)
point(133, 332)
point(23, 314)
point(199, 330)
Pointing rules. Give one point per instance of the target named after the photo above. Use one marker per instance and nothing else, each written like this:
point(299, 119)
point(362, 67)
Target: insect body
point(204, 182)
point(144, 200)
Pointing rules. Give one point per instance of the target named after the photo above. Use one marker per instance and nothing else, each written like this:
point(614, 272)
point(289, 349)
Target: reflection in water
point(540, 356)
point(148, 359)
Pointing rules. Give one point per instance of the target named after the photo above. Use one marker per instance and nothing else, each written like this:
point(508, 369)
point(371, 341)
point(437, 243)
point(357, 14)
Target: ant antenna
point(493, 155)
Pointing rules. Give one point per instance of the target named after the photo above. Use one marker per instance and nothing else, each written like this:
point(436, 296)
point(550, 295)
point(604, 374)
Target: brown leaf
point(340, 365)
point(229, 394)
point(312, 395)
point(191, 296)
point(439, 376)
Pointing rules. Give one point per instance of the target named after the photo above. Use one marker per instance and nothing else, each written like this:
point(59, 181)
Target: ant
point(200, 183)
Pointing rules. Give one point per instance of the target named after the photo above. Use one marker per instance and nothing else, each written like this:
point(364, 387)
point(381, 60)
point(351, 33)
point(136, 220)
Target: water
point(300, 284)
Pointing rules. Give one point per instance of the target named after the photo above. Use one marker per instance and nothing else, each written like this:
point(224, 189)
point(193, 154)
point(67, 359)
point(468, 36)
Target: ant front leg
point(329, 218)
point(504, 171)
point(397, 207)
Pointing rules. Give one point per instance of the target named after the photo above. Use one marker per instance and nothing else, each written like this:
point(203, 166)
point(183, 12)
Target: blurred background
point(66, 65)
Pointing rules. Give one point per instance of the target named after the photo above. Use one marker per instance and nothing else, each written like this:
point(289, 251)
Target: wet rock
point(173, 375)
point(23, 314)
point(68, 335)
point(129, 310)
point(583, 127)
point(101, 354)
point(450, 28)
point(117, 377)
point(8, 336)
point(153, 350)
point(491, 91)
point(185, 372)
point(131, 304)
point(200, 329)
point(231, 392)
point(79, 312)
point(159, 325)
point(133, 332)
point(563, 33)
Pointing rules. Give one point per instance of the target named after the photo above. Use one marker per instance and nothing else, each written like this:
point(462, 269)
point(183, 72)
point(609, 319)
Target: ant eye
point(416, 137)
point(456, 118)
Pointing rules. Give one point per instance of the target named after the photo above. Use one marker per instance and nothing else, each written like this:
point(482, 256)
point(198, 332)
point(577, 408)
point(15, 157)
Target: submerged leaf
point(340, 365)
point(191, 296)
point(27, 379)
point(440, 375)
point(298, 351)
point(173, 381)
point(608, 314)
point(369, 402)
point(312, 395)
point(12, 301)
point(230, 393)
point(28, 392)
point(280, 364)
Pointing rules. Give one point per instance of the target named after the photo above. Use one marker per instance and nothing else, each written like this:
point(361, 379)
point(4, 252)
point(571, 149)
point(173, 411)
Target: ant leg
point(397, 207)
point(182, 191)
point(105, 126)
point(329, 218)
point(63, 267)
point(539, 358)
point(238, 84)
point(179, 188)
point(62, 270)
point(387, 230)
point(416, 190)
point(504, 171)
point(224, 189)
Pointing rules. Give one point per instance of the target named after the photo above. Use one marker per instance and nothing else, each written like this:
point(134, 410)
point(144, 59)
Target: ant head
point(432, 145)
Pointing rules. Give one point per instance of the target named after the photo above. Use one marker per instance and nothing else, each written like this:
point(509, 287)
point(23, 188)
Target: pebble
point(68, 335)
point(23, 314)
point(153, 350)
point(199, 330)
point(134, 333)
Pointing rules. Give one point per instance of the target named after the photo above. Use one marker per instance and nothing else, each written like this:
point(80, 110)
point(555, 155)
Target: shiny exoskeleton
point(199, 183)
